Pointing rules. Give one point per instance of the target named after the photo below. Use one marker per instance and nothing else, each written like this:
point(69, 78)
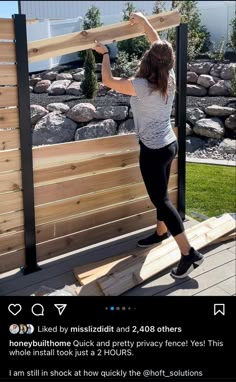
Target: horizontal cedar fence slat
point(12, 260)
point(9, 139)
point(85, 221)
point(79, 240)
point(12, 221)
point(66, 152)
point(11, 201)
point(9, 118)
point(7, 52)
point(14, 240)
point(82, 239)
point(10, 181)
point(8, 96)
point(8, 75)
point(7, 31)
point(10, 160)
point(74, 42)
point(81, 222)
point(11, 242)
point(86, 184)
point(81, 167)
point(73, 206)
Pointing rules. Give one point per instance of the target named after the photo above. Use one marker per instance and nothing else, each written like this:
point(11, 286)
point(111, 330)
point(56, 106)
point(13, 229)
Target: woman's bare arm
point(139, 18)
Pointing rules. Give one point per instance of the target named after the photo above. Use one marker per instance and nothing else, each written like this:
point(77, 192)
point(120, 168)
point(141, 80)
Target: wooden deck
point(215, 277)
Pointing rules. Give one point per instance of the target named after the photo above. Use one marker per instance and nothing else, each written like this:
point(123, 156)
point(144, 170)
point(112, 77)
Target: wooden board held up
point(75, 42)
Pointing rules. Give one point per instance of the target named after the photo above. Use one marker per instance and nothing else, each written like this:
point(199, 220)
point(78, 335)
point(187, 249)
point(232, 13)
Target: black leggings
point(155, 168)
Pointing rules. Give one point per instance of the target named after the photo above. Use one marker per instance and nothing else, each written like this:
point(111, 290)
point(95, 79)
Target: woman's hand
point(100, 48)
point(137, 18)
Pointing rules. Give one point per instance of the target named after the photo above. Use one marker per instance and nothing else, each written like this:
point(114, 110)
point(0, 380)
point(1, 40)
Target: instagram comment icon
point(14, 329)
point(30, 329)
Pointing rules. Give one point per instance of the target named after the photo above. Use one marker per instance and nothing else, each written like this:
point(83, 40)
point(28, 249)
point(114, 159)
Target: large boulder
point(79, 75)
point(228, 146)
point(54, 128)
point(228, 71)
point(118, 113)
point(58, 107)
point(193, 144)
point(51, 75)
point(82, 112)
point(209, 127)
point(74, 88)
point(219, 111)
point(205, 80)
point(97, 129)
point(216, 70)
point(219, 89)
point(58, 87)
point(126, 127)
point(230, 122)
point(193, 114)
point(36, 113)
point(33, 81)
point(42, 86)
point(196, 90)
point(189, 130)
point(64, 76)
point(192, 77)
point(201, 67)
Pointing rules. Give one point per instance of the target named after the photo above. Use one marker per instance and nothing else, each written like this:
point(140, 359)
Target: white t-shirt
point(152, 113)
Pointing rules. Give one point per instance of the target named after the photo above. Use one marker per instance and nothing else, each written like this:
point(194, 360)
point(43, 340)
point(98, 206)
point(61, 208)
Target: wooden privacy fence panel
point(101, 197)
point(11, 200)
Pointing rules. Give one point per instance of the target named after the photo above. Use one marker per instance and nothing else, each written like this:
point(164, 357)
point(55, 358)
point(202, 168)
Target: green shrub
point(198, 36)
point(232, 41)
point(233, 83)
point(89, 85)
point(218, 50)
point(92, 19)
point(125, 67)
point(137, 45)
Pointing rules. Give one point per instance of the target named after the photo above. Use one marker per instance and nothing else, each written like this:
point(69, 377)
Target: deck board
point(215, 277)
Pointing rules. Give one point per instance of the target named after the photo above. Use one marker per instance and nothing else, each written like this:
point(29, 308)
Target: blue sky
point(8, 8)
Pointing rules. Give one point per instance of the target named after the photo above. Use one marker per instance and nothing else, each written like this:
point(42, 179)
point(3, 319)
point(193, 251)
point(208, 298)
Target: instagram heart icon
point(14, 309)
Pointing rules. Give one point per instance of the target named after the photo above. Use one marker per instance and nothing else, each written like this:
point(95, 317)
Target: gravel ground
point(211, 150)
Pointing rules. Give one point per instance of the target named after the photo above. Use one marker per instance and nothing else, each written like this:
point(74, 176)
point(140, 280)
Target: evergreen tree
point(232, 40)
point(198, 36)
point(89, 85)
point(159, 6)
point(92, 19)
point(137, 45)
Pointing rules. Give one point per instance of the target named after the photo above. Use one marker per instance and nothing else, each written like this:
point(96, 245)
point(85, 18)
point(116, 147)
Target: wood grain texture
point(10, 181)
point(8, 75)
point(13, 221)
point(75, 42)
point(7, 31)
point(11, 201)
point(8, 96)
point(11, 242)
point(85, 221)
point(82, 150)
point(10, 160)
point(9, 139)
point(12, 260)
point(9, 118)
point(82, 239)
point(82, 167)
point(7, 52)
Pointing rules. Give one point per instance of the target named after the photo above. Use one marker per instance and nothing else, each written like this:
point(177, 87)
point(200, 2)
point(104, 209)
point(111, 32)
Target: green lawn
point(210, 189)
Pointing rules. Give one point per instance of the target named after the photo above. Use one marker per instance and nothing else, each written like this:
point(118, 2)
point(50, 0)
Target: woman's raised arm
point(139, 18)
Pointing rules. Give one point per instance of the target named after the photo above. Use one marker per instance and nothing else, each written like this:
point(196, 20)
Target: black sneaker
point(152, 239)
point(187, 264)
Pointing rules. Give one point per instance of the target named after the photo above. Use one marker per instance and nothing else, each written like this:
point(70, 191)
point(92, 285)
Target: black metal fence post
point(26, 144)
point(180, 111)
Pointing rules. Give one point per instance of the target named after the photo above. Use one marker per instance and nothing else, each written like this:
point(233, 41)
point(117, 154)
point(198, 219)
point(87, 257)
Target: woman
point(153, 91)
